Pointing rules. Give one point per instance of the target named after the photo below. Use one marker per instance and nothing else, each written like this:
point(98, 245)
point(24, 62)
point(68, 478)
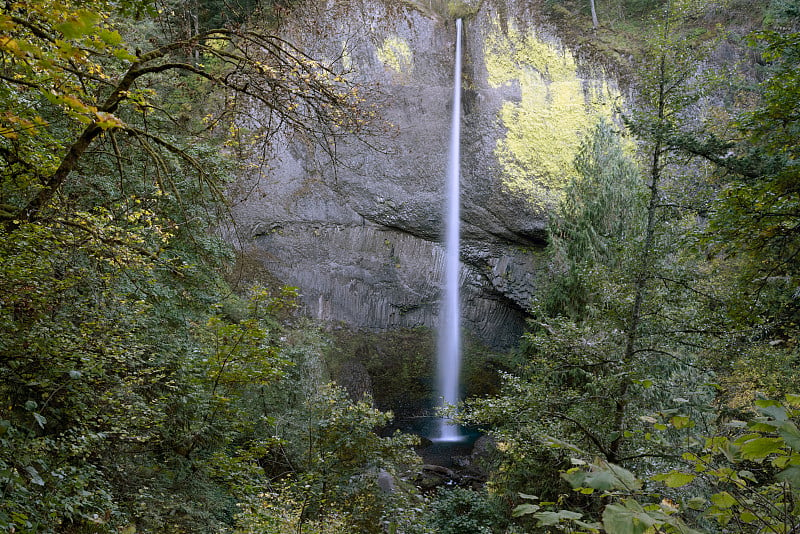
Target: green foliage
point(741, 476)
point(335, 460)
point(746, 481)
point(134, 388)
point(457, 9)
point(757, 211)
point(602, 209)
point(576, 384)
point(661, 322)
point(138, 394)
point(457, 510)
point(781, 13)
point(616, 335)
point(627, 27)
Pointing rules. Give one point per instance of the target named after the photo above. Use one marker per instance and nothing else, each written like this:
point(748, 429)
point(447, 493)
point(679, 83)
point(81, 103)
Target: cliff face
point(361, 236)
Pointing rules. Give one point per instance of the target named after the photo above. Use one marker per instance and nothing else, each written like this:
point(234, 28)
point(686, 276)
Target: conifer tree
point(601, 210)
point(610, 344)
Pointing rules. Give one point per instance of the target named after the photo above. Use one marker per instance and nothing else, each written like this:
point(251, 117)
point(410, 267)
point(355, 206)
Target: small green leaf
point(768, 426)
point(791, 475)
point(594, 527)
point(674, 479)
point(781, 461)
point(109, 37)
point(696, 503)
point(40, 419)
point(524, 509)
point(793, 400)
point(628, 519)
point(748, 475)
point(771, 408)
point(548, 518)
point(71, 29)
point(748, 517)
point(759, 448)
point(601, 480)
point(554, 518)
point(723, 500)
point(790, 433)
point(681, 421)
point(575, 477)
point(88, 18)
point(121, 53)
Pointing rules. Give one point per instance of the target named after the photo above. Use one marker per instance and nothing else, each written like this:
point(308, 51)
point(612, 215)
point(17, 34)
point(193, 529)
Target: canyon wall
point(361, 233)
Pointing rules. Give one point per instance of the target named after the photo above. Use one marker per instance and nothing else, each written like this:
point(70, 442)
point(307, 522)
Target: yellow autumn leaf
point(6, 23)
point(107, 120)
point(11, 45)
point(75, 104)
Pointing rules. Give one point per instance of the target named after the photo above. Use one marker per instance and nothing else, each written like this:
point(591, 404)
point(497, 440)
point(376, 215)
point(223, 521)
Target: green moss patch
point(557, 107)
point(401, 365)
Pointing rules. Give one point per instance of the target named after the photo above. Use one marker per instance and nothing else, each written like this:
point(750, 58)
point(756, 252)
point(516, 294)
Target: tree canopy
point(143, 390)
point(138, 393)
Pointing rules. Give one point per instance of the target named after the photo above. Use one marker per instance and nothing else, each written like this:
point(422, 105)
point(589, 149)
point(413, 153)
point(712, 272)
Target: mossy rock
point(461, 9)
point(401, 367)
point(454, 9)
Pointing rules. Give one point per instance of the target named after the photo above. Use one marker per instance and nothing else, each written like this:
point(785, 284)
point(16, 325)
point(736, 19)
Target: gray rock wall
point(361, 238)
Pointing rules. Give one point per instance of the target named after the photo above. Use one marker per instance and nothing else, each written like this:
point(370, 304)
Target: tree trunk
point(645, 265)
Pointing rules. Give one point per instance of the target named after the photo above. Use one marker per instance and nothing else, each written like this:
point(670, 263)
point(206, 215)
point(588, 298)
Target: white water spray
point(450, 316)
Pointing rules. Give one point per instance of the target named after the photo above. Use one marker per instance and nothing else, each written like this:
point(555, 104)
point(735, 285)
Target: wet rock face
point(362, 237)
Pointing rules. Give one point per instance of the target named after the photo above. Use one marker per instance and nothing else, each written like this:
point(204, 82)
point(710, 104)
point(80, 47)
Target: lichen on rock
point(463, 8)
point(395, 53)
point(555, 109)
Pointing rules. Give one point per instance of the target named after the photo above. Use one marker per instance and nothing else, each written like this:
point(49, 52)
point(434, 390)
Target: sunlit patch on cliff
point(555, 109)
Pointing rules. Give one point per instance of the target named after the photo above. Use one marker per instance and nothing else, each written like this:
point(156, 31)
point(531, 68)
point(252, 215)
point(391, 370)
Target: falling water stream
point(449, 349)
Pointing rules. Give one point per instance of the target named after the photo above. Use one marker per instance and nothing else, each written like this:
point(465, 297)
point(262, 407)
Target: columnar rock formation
point(362, 237)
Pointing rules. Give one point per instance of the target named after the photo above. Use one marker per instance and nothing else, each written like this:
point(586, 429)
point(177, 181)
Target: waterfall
point(449, 349)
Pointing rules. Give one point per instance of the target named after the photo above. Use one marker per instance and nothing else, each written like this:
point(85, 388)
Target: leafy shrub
point(458, 510)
